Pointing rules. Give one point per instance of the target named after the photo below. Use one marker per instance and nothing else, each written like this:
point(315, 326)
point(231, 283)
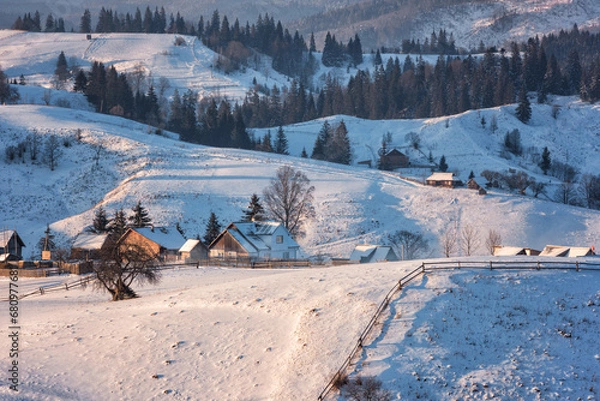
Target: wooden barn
point(264, 240)
point(192, 251)
point(89, 246)
point(11, 246)
point(446, 180)
point(164, 242)
point(394, 159)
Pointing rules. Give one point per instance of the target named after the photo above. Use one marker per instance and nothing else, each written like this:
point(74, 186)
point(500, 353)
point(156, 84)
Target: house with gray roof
point(257, 239)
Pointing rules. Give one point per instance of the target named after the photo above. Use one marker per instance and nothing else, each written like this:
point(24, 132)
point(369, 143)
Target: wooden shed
point(395, 159)
point(446, 180)
point(192, 251)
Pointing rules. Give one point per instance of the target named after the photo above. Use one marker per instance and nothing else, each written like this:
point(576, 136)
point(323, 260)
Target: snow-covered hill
point(118, 162)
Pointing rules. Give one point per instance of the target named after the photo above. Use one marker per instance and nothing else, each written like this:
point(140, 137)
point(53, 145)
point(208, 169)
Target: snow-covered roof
point(253, 236)
point(258, 227)
point(189, 245)
point(508, 250)
point(371, 253)
point(5, 237)
point(167, 237)
point(89, 241)
point(554, 250)
point(575, 252)
point(442, 177)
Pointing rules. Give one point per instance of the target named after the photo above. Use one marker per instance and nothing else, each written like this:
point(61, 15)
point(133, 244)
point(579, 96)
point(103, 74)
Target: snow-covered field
point(234, 334)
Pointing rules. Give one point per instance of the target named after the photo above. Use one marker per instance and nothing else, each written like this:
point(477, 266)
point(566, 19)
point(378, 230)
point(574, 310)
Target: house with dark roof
point(11, 246)
point(257, 239)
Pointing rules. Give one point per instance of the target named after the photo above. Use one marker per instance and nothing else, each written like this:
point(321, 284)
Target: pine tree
point(140, 217)
point(101, 222)
point(523, 110)
point(337, 148)
point(118, 225)
point(254, 211)
point(546, 161)
point(213, 229)
point(61, 72)
point(281, 142)
point(85, 26)
point(322, 138)
point(443, 165)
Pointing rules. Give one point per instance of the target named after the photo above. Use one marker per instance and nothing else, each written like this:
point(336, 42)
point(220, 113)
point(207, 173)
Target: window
point(279, 239)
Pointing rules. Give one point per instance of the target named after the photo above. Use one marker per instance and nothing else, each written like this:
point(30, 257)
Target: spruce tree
point(281, 142)
point(61, 72)
point(118, 225)
point(322, 139)
point(443, 165)
point(101, 222)
point(213, 229)
point(254, 211)
point(546, 161)
point(85, 26)
point(523, 110)
point(140, 216)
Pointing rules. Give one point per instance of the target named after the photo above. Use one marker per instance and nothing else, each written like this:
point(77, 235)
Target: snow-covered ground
point(236, 334)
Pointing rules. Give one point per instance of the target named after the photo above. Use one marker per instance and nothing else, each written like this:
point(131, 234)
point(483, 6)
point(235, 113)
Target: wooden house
point(372, 254)
point(90, 246)
point(192, 251)
point(446, 180)
point(258, 239)
point(394, 159)
point(11, 246)
point(567, 251)
point(501, 250)
point(164, 242)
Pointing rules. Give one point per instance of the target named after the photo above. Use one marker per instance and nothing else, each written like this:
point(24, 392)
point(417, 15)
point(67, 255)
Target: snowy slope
point(182, 183)
point(188, 66)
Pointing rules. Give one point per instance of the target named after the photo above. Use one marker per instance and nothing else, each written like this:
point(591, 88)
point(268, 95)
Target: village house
point(567, 251)
point(394, 159)
point(164, 242)
point(192, 251)
point(446, 180)
point(258, 239)
point(501, 250)
point(11, 246)
point(89, 246)
point(372, 254)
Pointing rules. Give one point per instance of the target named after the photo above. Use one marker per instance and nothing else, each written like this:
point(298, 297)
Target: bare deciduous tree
point(448, 241)
point(493, 240)
point(288, 199)
point(408, 244)
point(366, 389)
point(52, 151)
point(123, 264)
point(469, 240)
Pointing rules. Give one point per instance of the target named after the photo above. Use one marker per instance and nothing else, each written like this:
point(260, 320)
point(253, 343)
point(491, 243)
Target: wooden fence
point(430, 267)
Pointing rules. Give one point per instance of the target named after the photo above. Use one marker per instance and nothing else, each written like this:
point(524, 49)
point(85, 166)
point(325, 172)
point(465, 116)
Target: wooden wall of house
point(137, 239)
point(228, 244)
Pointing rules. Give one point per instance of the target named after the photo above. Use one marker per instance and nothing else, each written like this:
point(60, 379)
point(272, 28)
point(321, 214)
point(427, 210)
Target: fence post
point(576, 265)
point(41, 291)
point(67, 286)
point(491, 266)
point(538, 265)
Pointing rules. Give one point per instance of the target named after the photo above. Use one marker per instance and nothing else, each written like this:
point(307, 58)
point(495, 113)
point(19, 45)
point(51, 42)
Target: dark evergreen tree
point(337, 147)
point(281, 142)
point(118, 224)
point(322, 139)
point(523, 110)
point(254, 211)
point(546, 161)
point(213, 229)
point(100, 224)
point(140, 217)
point(61, 73)
point(443, 166)
point(85, 25)
point(50, 24)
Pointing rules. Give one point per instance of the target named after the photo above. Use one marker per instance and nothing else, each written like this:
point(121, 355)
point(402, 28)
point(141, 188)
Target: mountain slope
point(182, 183)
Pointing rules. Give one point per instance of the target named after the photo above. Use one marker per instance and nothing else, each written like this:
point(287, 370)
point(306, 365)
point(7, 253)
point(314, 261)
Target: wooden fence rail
point(432, 267)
